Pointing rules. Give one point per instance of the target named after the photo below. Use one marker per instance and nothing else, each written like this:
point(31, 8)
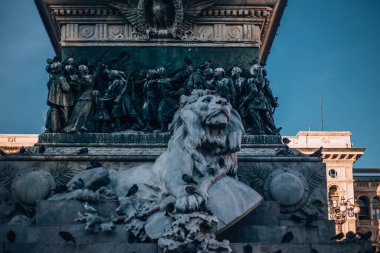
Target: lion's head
point(208, 123)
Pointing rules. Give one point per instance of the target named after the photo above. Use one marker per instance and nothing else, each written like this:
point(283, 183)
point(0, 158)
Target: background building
point(367, 191)
point(339, 156)
point(342, 180)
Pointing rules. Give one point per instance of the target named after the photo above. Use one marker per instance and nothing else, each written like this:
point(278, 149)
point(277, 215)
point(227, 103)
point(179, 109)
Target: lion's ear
point(234, 132)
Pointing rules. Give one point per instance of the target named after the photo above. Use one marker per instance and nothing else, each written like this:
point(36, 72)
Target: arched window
point(364, 208)
point(376, 208)
point(333, 195)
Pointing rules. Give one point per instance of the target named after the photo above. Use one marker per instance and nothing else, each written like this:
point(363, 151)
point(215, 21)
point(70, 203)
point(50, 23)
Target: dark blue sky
point(329, 46)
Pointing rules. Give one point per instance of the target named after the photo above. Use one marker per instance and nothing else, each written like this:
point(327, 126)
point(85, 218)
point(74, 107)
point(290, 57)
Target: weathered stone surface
point(81, 248)
point(20, 230)
point(137, 138)
point(56, 212)
point(93, 179)
point(31, 187)
point(304, 247)
point(270, 234)
point(38, 234)
point(267, 213)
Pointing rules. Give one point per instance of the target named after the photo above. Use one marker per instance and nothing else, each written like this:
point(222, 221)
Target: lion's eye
point(206, 100)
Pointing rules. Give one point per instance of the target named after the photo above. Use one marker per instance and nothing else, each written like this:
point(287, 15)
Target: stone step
point(63, 247)
point(41, 247)
point(251, 234)
point(32, 234)
point(305, 247)
point(270, 234)
point(58, 212)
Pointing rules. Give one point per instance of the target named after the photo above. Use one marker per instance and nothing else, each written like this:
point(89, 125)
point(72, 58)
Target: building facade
point(367, 191)
point(10, 143)
point(339, 155)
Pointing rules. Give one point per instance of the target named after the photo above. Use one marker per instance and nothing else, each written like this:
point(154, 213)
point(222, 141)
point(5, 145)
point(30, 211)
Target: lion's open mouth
point(218, 118)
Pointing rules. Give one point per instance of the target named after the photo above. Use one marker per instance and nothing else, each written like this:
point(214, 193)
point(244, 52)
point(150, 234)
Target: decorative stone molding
point(219, 24)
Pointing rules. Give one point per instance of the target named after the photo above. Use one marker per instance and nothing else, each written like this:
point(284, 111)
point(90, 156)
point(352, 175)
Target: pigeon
point(350, 236)
point(11, 236)
point(314, 251)
point(132, 191)
point(79, 184)
point(83, 151)
point(317, 153)
point(247, 249)
point(88, 207)
point(338, 236)
point(296, 218)
point(67, 236)
point(366, 236)
point(41, 149)
point(95, 164)
point(286, 141)
point(22, 150)
point(288, 237)
point(2, 153)
point(169, 209)
point(188, 179)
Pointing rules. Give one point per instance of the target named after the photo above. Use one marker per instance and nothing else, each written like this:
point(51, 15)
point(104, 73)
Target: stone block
point(363, 247)
point(38, 234)
point(20, 230)
point(270, 248)
point(81, 248)
point(55, 212)
point(303, 247)
point(266, 213)
point(270, 234)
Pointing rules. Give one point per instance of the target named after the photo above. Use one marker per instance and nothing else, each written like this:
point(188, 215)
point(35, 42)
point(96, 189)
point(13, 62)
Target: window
point(333, 173)
point(333, 195)
point(376, 208)
point(364, 208)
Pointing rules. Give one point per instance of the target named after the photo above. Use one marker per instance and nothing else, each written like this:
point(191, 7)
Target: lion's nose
point(221, 101)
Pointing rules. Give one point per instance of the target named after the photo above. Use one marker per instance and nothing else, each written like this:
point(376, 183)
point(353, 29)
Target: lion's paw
point(188, 204)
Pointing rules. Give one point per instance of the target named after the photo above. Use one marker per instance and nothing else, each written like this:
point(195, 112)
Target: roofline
point(275, 23)
point(47, 21)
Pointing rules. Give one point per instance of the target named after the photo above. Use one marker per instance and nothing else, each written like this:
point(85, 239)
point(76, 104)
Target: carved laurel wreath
point(143, 26)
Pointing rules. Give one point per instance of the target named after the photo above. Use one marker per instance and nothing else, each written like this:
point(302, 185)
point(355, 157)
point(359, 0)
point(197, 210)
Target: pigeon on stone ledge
point(288, 237)
point(132, 191)
point(83, 151)
point(317, 153)
point(11, 236)
point(338, 236)
point(67, 237)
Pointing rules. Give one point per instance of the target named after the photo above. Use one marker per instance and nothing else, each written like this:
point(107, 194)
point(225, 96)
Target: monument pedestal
point(263, 164)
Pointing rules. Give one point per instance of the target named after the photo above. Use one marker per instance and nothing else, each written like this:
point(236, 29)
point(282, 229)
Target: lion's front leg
point(208, 181)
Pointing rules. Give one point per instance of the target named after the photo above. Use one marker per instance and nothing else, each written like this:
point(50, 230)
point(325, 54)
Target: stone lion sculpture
point(206, 134)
